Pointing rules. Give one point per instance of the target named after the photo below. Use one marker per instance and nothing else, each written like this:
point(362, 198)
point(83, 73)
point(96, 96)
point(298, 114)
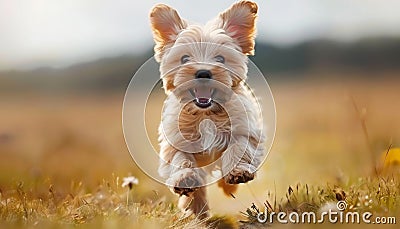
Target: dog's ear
point(239, 23)
point(166, 25)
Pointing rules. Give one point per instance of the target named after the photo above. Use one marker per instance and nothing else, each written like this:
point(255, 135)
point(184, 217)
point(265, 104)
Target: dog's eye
point(185, 59)
point(220, 59)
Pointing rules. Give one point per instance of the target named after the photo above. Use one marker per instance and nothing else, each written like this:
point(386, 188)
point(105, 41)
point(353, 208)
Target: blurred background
point(333, 67)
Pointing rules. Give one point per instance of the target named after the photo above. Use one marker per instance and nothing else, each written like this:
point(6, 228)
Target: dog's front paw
point(239, 175)
point(184, 191)
point(185, 181)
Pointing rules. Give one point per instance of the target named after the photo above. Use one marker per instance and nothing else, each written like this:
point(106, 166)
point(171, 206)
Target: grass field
point(63, 160)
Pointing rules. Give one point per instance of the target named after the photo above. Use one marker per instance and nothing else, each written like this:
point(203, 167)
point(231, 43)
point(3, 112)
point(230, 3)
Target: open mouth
point(202, 96)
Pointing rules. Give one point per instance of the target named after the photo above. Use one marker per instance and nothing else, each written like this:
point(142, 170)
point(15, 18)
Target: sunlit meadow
point(64, 160)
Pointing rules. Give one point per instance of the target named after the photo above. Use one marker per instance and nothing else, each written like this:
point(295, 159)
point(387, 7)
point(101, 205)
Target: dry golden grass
point(61, 156)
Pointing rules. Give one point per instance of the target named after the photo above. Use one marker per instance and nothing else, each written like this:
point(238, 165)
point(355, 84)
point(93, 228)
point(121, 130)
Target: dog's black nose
point(203, 74)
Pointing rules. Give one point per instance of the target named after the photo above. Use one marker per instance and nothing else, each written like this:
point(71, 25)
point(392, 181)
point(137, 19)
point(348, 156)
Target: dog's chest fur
point(211, 127)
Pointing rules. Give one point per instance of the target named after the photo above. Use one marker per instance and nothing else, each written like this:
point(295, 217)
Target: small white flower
point(130, 181)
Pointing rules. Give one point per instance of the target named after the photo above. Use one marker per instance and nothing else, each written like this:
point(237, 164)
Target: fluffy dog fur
point(238, 137)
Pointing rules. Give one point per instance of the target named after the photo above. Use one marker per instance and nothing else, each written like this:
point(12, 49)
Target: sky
point(58, 33)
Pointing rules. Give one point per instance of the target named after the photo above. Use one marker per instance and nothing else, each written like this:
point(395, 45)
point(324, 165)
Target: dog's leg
point(195, 203)
point(185, 180)
point(228, 189)
point(179, 170)
point(241, 159)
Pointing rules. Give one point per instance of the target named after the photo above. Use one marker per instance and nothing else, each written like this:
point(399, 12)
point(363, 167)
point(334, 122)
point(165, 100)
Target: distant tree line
point(368, 55)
